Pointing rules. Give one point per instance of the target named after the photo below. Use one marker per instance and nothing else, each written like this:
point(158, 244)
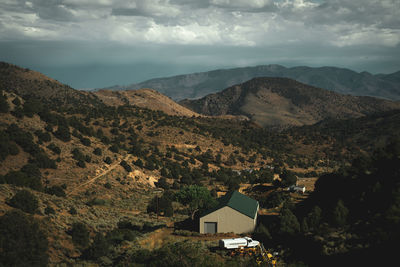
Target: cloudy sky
point(98, 43)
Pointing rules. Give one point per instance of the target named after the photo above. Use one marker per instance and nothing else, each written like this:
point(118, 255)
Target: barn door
point(210, 227)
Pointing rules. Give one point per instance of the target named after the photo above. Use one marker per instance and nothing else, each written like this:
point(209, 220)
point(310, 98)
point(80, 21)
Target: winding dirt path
point(90, 181)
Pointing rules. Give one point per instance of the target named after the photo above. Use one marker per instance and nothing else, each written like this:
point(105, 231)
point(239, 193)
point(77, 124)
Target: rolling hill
point(340, 80)
point(282, 101)
point(88, 169)
point(144, 98)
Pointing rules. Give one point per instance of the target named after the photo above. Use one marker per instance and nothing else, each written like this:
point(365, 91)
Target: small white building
point(297, 189)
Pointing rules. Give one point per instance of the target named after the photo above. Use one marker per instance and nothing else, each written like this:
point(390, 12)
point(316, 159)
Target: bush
point(99, 248)
point(29, 176)
point(43, 136)
point(108, 160)
point(6, 146)
point(114, 148)
point(126, 166)
point(25, 201)
point(54, 148)
point(4, 106)
point(96, 201)
point(43, 161)
point(22, 241)
point(288, 222)
point(73, 211)
point(85, 141)
point(55, 190)
point(49, 210)
point(80, 234)
point(63, 133)
point(81, 164)
point(97, 151)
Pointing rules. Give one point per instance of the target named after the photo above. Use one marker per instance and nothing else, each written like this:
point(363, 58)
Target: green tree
point(108, 160)
point(197, 197)
point(340, 213)
point(288, 222)
point(261, 233)
point(4, 106)
point(314, 218)
point(80, 234)
point(25, 201)
point(63, 133)
point(100, 247)
point(288, 178)
point(22, 241)
point(97, 151)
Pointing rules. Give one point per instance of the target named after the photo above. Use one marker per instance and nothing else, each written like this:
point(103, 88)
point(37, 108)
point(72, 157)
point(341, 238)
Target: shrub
point(107, 185)
point(43, 136)
point(139, 163)
point(80, 234)
point(55, 190)
point(22, 241)
point(108, 160)
point(126, 166)
point(63, 133)
point(22, 178)
point(4, 106)
point(54, 148)
point(81, 164)
point(114, 148)
point(97, 151)
point(96, 201)
point(43, 161)
point(73, 211)
point(25, 201)
point(85, 141)
point(100, 247)
point(288, 222)
point(49, 210)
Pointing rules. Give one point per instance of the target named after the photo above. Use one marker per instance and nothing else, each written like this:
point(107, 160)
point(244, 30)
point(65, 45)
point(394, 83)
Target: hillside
point(95, 182)
point(144, 98)
point(35, 85)
point(282, 101)
point(340, 80)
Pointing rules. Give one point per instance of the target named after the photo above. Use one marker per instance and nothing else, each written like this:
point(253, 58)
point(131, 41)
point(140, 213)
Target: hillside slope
point(282, 101)
point(144, 98)
point(35, 85)
point(341, 80)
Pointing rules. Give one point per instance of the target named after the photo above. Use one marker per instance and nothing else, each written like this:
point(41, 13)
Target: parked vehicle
point(234, 243)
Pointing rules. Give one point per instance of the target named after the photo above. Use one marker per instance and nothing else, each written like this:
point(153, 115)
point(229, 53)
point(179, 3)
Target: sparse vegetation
point(192, 160)
point(22, 241)
point(25, 201)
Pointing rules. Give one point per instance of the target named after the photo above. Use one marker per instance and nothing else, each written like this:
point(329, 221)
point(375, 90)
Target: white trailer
point(235, 243)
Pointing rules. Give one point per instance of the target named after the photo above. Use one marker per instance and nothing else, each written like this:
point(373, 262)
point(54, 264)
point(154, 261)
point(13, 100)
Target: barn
point(235, 213)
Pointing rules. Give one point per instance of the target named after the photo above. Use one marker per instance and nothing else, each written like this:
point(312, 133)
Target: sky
point(100, 43)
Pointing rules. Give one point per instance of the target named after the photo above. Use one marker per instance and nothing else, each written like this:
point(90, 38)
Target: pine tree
point(288, 222)
point(340, 214)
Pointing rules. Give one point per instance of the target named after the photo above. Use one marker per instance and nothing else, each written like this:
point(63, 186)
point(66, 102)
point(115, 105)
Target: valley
point(107, 171)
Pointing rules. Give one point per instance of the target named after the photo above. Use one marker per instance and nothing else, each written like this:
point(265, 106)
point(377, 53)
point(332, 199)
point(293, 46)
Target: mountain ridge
point(283, 101)
point(342, 80)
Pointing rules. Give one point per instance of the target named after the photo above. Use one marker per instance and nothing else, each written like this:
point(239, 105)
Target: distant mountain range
point(340, 80)
point(283, 101)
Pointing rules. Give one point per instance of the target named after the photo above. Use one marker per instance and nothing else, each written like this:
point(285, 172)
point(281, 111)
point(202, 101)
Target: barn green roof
point(238, 202)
